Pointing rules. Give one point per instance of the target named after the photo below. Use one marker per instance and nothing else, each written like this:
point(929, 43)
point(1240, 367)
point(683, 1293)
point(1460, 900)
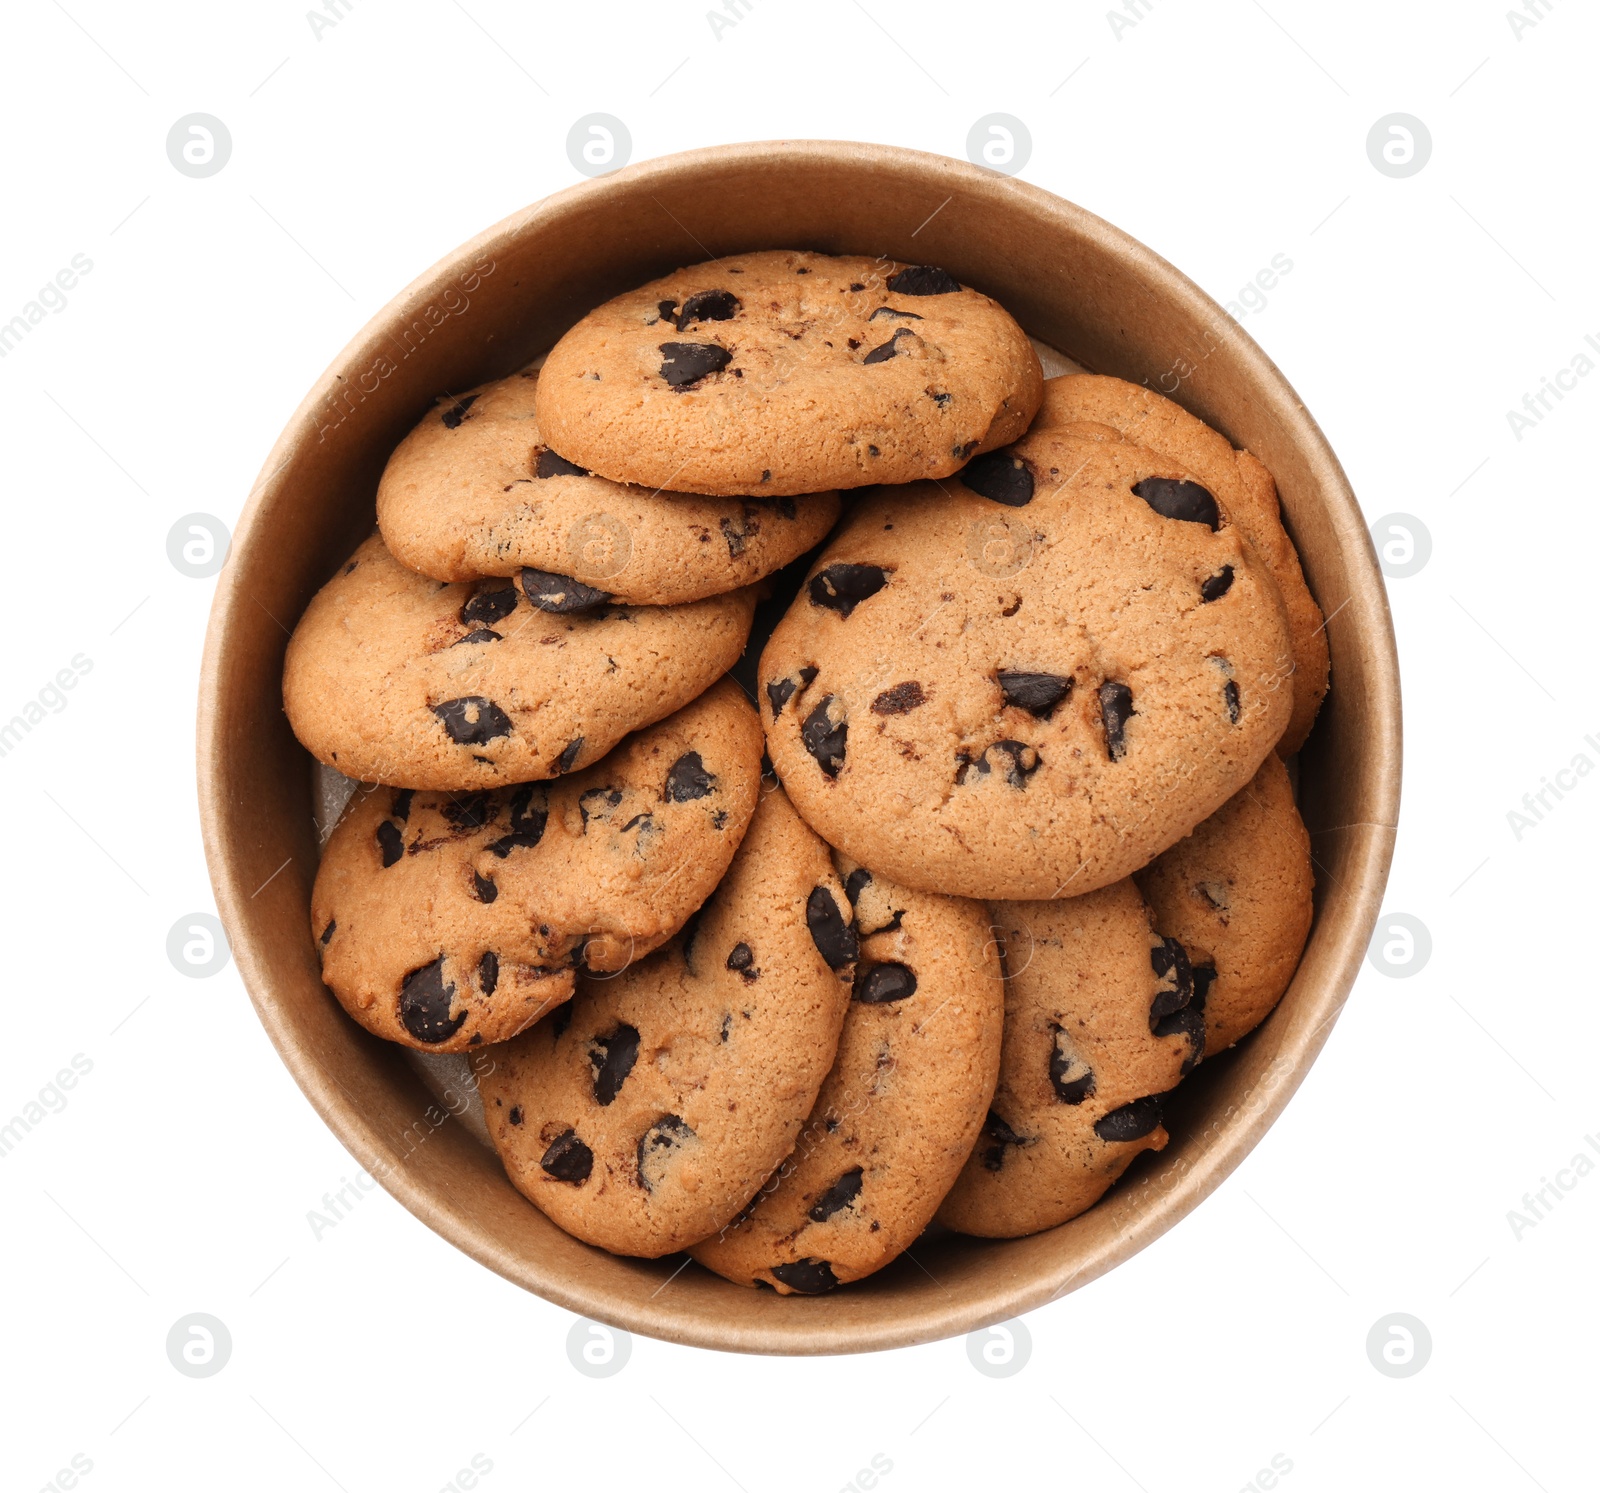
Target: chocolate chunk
point(667, 310)
point(810, 1277)
point(401, 807)
point(1172, 498)
point(568, 1159)
point(472, 720)
point(1070, 1088)
point(996, 1136)
point(880, 984)
point(900, 699)
point(560, 593)
point(1000, 477)
point(780, 691)
point(488, 971)
point(1203, 975)
point(1132, 1121)
point(478, 635)
point(1215, 587)
point(856, 883)
point(835, 939)
point(923, 279)
point(1230, 698)
point(527, 821)
point(657, 1146)
point(1116, 705)
point(390, 843)
point(687, 779)
point(843, 587)
point(685, 363)
point(839, 1196)
point(549, 464)
point(1019, 759)
point(457, 412)
point(470, 811)
point(483, 888)
point(492, 601)
point(327, 933)
point(612, 1057)
point(886, 350)
point(1171, 965)
point(824, 740)
point(1038, 694)
point(569, 755)
point(708, 305)
point(890, 313)
point(742, 959)
point(1189, 1023)
point(425, 998)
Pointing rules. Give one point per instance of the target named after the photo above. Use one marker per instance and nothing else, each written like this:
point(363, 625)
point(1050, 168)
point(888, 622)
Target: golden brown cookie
point(1110, 407)
point(474, 491)
point(447, 920)
point(898, 1114)
point(788, 372)
point(395, 679)
point(1030, 681)
point(645, 1114)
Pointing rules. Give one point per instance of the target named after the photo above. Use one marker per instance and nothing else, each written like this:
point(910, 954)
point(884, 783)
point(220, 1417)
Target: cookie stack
point(1004, 848)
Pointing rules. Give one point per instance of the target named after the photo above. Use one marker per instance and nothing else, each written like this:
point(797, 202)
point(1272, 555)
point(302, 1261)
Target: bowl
point(1073, 282)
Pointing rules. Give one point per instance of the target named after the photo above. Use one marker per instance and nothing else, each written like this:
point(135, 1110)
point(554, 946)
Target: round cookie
point(899, 1112)
point(446, 920)
point(395, 679)
point(1110, 407)
point(788, 372)
point(1236, 893)
point(645, 1114)
point(1029, 682)
point(474, 491)
point(1097, 1026)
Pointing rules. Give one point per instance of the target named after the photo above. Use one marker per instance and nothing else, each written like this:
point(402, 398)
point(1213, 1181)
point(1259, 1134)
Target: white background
point(179, 1175)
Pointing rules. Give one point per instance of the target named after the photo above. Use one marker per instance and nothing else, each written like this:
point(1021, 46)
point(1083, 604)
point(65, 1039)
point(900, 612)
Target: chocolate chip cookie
point(1110, 407)
point(645, 1114)
point(392, 678)
point(898, 1114)
point(788, 372)
point(1029, 681)
point(475, 491)
point(447, 920)
point(1098, 1026)
point(1236, 893)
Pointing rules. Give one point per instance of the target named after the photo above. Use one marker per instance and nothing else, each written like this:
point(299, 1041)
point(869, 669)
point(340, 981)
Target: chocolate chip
point(886, 350)
point(939, 399)
point(1172, 498)
point(548, 464)
point(900, 699)
point(472, 720)
point(390, 843)
point(890, 313)
point(687, 779)
point(835, 939)
point(1021, 761)
point(880, 984)
point(1000, 477)
point(667, 310)
point(997, 1135)
point(612, 1057)
point(1188, 1023)
point(1073, 1089)
point(569, 755)
point(686, 363)
point(478, 635)
point(708, 305)
point(780, 691)
point(483, 888)
point(856, 883)
point(527, 821)
point(470, 811)
point(327, 933)
point(514, 1115)
point(742, 959)
point(843, 587)
point(1170, 963)
point(425, 998)
point(810, 1277)
point(923, 279)
point(1214, 587)
point(560, 593)
point(568, 1159)
point(457, 412)
point(1132, 1121)
point(1203, 974)
point(1038, 694)
point(657, 1146)
point(839, 1196)
point(824, 740)
point(401, 807)
point(488, 971)
point(734, 536)
point(1116, 705)
point(1230, 698)
point(727, 1026)
point(597, 803)
point(492, 601)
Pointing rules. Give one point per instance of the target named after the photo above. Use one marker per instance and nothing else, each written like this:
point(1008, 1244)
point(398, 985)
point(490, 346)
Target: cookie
point(1097, 1027)
point(788, 372)
point(645, 1114)
point(901, 1108)
point(395, 679)
point(1028, 682)
point(1093, 405)
point(1236, 893)
point(447, 920)
point(475, 491)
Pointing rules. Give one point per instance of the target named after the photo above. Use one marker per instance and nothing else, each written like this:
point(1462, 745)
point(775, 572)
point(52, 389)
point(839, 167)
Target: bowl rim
point(1356, 914)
